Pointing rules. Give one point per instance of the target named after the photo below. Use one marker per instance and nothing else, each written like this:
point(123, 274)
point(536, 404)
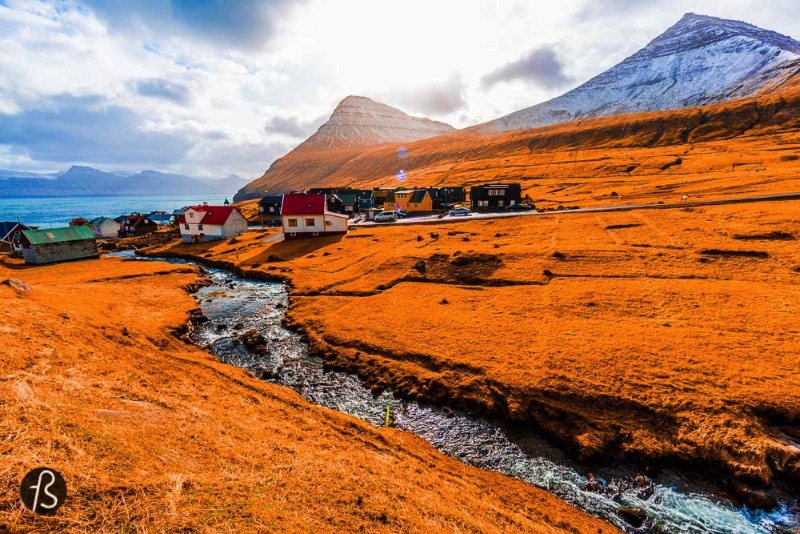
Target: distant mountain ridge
point(699, 60)
point(88, 181)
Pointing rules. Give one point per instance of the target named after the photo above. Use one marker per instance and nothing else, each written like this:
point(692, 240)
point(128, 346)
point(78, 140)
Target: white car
point(386, 216)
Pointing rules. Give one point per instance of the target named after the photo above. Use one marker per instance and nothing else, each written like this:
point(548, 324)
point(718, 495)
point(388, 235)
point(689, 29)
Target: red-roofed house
point(207, 223)
point(305, 215)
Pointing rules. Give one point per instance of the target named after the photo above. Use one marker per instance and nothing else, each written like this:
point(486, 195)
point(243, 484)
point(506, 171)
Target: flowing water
point(671, 502)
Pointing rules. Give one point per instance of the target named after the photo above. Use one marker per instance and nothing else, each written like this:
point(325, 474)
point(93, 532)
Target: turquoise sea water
point(48, 212)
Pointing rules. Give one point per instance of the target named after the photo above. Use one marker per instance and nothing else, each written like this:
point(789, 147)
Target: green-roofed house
point(349, 200)
point(52, 245)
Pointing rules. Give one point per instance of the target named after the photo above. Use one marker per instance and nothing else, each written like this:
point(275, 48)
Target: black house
point(332, 201)
point(491, 197)
point(446, 197)
point(270, 205)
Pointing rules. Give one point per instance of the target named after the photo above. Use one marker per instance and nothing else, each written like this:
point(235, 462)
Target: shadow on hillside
point(284, 250)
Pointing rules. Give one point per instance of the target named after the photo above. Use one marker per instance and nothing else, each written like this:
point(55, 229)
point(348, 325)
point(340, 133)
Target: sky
point(211, 88)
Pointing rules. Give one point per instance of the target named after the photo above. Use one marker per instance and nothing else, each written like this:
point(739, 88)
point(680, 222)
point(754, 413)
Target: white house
point(104, 227)
point(207, 223)
point(305, 215)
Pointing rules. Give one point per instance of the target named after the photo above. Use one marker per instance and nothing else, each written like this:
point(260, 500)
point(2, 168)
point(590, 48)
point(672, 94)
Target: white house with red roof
point(207, 223)
point(305, 215)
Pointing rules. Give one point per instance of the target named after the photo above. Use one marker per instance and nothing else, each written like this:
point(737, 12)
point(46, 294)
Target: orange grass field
point(155, 435)
point(652, 335)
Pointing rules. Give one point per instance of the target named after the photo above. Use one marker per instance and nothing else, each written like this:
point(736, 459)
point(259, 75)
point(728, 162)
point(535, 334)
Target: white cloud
point(212, 92)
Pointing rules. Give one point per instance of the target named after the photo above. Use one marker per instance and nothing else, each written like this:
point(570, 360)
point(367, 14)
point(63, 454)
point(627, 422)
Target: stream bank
point(245, 328)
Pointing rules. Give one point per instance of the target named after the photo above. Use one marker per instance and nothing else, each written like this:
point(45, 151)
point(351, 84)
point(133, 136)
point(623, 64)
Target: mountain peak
point(361, 121)
point(699, 60)
point(697, 31)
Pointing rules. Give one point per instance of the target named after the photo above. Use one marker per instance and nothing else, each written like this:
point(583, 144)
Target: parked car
point(458, 212)
point(386, 216)
point(277, 222)
point(402, 214)
point(521, 207)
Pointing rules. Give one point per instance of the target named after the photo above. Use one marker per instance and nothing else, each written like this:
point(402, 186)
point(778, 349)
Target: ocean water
point(49, 212)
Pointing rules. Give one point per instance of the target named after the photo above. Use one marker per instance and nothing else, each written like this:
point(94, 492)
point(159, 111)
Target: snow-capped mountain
point(356, 123)
point(360, 121)
point(700, 60)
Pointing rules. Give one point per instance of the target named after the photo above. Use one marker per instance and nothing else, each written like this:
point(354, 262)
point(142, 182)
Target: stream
point(670, 502)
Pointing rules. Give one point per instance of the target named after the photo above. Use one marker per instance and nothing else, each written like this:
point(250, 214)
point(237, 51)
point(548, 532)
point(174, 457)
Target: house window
point(200, 227)
point(292, 223)
point(499, 203)
point(310, 222)
point(191, 215)
point(483, 203)
point(329, 223)
point(186, 226)
point(497, 192)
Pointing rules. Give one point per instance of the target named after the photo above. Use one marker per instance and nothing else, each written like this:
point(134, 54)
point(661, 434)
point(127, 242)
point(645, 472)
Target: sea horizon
point(50, 212)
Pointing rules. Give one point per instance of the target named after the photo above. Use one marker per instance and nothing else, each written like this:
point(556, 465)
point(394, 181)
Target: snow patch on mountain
point(700, 60)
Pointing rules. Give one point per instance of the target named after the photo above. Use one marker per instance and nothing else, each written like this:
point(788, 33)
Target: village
point(304, 214)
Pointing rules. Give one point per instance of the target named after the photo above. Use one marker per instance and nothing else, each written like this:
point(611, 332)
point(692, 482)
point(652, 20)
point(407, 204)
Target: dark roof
point(160, 217)
point(418, 195)
point(271, 199)
point(303, 204)
point(58, 235)
point(213, 214)
point(138, 219)
point(348, 198)
point(389, 196)
point(6, 227)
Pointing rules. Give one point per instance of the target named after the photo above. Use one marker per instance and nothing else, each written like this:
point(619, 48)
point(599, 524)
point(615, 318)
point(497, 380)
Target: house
point(79, 221)
point(420, 202)
point(388, 201)
point(379, 195)
point(365, 198)
point(410, 200)
point(491, 197)
point(137, 224)
point(10, 234)
point(349, 201)
point(208, 223)
point(306, 215)
point(270, 206)
point(58, 244)
point(104, 227)
point(446, 197)
point(332, 199)
point(161, 218)
point(177, 214)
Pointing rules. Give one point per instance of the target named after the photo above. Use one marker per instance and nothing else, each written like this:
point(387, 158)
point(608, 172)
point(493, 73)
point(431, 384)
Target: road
point(437, 219)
